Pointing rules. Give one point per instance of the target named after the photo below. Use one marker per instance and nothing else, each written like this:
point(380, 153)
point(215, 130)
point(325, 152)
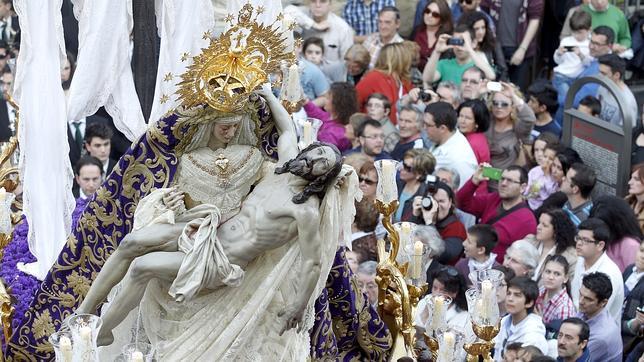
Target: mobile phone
point(492, 173)
point(455, 41)
point(640, 309)
point(494, 86)
point(569, 48)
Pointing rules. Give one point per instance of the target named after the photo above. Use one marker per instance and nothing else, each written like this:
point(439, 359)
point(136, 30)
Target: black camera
point(456, 41)
point(425, 97)
point(430, 183)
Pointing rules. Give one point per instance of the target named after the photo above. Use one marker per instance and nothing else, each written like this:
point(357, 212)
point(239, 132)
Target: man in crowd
point(88, 175)
point(471, 82)
point(362, 15)
point(605, 343)
point(410, 122)
point(372, 140)
point(577, 185)
point(542, 99)
point(451, 148)
point(505, 210)
point(98, 138)
point(9, 26)
point(388, 25)
point(452, 69)
point(318, 21)
point(605, 14)
point(572, 341)
point(613, 67)
point(591, 241)
point(602, 39)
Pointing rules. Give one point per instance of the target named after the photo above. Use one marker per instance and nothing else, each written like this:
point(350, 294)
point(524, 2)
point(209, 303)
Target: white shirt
point(605, 265)
point(456, 153)
point(569, 63)
point(530, 331)
point(72, 128)
point(610, 109)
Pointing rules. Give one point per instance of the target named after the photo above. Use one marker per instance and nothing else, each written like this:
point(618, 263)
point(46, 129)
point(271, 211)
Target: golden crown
point(235, 63)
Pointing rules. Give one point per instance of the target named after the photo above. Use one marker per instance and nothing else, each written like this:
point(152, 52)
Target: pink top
point(331, 130)
point(623, 252)
point(540, 187)
point(479, 145)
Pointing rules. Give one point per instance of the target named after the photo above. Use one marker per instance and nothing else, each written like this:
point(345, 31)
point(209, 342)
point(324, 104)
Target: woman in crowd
point(635, 196)
point(484, 41)
point(634, 291)
point(67, 71)
point(473, 122)
point(368, 178)
point(522, 257)
point(340, 105)
point(554, 302)
point(433, 247)
point(502, 289)
point(416, 165)
point(555, 236)
point(447, 223)
point(509, 132)
point(437, 20)
point(357, 61)
point(390, 76)
point(624, 228)
point(541, 184)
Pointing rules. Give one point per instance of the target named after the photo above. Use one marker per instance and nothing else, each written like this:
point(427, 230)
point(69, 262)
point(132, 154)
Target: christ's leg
point(161, 265)
point(161, 237)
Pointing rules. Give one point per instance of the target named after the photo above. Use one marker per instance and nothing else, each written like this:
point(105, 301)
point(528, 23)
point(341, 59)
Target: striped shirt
point(558, 307)
point(363, 18)
point(578, 214)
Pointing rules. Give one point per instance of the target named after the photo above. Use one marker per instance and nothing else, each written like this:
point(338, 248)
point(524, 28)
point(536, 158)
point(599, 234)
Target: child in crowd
point(511, 352)
point(313, 50)
point(378, 107)
point(481, 239)
point(554, 302)
point(521, 324)
point(540, 182)
point(573, 54)
point(590, 105)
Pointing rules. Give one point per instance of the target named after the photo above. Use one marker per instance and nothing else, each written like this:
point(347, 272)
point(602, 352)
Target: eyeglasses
point(468, 2)
point(379, 137)
point(584, 240)
point(367, 181)
point(505, 179)
point(470, 81)
point(427, 125)
point(500, 104)
point(432, 13)
point(597, 44)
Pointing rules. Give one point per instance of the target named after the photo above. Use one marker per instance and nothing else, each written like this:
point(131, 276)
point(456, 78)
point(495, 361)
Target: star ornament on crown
point(236, 63)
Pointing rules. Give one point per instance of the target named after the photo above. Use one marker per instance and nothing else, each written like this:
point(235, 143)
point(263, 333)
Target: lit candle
point(65, 349)
point(405, 233)
point(486, 296)
point(449, 340)
point(417, 260)
point(293, 84)
point(306, 133)
point(389, 189)
point(137, 356)
point(86, 334)
point(437, 317)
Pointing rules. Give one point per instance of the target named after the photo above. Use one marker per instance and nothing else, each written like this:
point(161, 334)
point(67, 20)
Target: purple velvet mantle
point(343, 324)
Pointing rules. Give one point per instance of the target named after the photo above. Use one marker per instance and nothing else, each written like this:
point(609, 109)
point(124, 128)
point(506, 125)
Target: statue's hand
point(342, 179)
point(292, 317)
point(265, 91)
point(174, 200)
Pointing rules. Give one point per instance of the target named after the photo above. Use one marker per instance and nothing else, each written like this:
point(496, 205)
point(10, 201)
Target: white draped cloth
point(44, 164)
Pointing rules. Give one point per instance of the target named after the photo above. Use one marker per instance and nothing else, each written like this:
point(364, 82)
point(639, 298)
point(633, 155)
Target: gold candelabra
point(483, 347)
point(396, 298)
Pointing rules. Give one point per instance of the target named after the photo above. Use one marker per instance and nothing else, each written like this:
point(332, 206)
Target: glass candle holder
point(137, 352)
point(386, 191)
point(308, 131)
point(62, 343)
point(484, 310)
point(450, 345)
point(84, 329)
point(405, 231)
point(436, 309)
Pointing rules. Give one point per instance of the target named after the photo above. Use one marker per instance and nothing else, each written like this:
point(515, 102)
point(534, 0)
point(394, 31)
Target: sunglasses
point(432, 13)
point(468, 2)
point(407, 167)
point(451, 271)
point(367, 181)
point(500, 104)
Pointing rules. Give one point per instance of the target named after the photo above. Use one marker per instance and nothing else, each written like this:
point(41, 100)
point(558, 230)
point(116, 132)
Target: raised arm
point(287, 142)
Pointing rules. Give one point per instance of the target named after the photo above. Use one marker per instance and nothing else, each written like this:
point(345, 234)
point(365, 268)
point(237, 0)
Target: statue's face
point(224, 132)
point(317, 161)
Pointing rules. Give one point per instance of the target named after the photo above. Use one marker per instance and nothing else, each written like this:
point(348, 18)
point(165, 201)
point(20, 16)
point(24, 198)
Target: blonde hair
point(358, 53)
point(395, 59)
point(514, 113)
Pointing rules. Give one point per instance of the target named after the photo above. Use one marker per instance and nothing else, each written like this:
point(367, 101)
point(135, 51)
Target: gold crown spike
point(234, 64)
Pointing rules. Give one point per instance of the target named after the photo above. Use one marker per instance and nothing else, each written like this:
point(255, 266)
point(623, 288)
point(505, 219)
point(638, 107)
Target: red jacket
point(485, 207)
point(376, 81)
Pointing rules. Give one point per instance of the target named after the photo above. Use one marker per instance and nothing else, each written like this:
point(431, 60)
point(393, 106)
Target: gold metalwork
point(483, 347)
point(432, 344)
point(396, 298)
point(292, 107)
point(164, 98)
point(167, 77)
point(235, 64)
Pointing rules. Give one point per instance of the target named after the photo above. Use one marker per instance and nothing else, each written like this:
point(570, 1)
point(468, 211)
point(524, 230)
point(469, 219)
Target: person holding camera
point(440, 197)
point(416, 165)
point(464, 57)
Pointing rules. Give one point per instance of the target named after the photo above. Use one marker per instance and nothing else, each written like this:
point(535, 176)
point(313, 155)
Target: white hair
point(526, 253)
point(430, 237)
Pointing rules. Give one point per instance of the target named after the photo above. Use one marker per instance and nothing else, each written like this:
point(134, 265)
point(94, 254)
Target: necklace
point(220, 169)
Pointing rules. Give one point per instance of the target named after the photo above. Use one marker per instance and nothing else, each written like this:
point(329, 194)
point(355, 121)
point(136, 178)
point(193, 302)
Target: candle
point(389, 189)
point(3, 194)
point(417, 260)
point(86, 334)
point(306, 133)
point(293, 84)
point(66, 349)
point(486, 296)
point(405, 233)
point(439, 306)
point(137, 356)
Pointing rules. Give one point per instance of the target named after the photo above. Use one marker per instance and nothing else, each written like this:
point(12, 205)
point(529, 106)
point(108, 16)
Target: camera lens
point(426, 203)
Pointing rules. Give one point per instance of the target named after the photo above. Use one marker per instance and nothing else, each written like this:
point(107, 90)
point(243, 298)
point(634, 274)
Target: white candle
point(417, 260)
point(86, 334)
point(306, 133)
point(3, 194)
point(65, 346)
point(389, 189)
point(405, 233)
point(293, 84)
point(486, 296)
point(137, 356)
point(437, 317)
